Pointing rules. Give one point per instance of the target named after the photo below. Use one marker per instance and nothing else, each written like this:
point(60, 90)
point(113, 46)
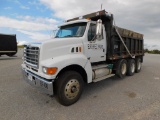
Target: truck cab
point(76, 55)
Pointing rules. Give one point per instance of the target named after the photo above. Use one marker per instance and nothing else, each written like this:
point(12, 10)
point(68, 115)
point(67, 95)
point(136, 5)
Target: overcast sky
point(33, 20)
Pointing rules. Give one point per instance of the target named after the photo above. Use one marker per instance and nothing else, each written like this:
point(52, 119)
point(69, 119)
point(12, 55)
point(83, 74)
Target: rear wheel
point(121, 68)
point(131, 67)
point(138, 65)
point(11, 54)
point(69, 87)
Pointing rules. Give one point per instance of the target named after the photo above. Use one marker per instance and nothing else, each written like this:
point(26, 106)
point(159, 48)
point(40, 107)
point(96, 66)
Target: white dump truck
point(86, 49)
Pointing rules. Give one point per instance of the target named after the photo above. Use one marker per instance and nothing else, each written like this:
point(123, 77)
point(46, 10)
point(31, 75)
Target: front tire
point(69, 87)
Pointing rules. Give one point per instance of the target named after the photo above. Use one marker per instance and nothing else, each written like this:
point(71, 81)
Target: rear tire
point(121, 68)
point(138, 65)
point(11, 54)
point(69, 87)
point(131, 67)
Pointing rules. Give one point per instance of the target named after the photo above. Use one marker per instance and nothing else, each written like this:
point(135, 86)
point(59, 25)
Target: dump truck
point(8, 44)
point(86, 49)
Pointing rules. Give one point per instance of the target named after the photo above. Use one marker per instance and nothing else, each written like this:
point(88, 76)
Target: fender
point(88, 69)
point(66, 60)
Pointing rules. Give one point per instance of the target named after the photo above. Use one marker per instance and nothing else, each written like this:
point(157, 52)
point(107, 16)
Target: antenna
point(101, 6)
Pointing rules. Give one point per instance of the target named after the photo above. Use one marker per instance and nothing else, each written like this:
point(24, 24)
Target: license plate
point(30, 77)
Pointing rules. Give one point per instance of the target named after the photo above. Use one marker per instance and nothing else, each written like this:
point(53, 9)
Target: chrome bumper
point(42, 84)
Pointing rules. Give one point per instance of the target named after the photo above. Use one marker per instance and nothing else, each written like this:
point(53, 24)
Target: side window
point(91, 31)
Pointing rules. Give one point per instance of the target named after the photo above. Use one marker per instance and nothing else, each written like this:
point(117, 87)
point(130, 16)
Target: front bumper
point(42, 84)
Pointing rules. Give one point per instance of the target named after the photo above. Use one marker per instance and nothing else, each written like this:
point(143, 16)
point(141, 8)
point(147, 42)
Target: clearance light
point(49, 71)
point(97, 13)
point(100, 13)
point(80, 49)
point(80, 17)
point(88, 19)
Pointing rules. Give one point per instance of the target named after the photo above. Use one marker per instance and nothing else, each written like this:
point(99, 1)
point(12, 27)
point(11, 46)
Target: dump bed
point(8, 44)
point(115, 47)
point(129, 33)
point(132, 40)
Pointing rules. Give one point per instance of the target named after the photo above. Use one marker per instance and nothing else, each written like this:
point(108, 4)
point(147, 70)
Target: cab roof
point(104, 15)
point(75, 21)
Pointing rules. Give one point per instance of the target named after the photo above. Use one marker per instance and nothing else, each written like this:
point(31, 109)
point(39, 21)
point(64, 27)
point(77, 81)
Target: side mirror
point(99, 28)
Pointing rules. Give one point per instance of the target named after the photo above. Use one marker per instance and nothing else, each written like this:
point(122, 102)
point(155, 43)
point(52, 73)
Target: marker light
point(80, 49)
point(49, 71)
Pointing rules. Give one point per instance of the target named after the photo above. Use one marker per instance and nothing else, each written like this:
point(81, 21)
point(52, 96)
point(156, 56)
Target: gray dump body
point(129, 33)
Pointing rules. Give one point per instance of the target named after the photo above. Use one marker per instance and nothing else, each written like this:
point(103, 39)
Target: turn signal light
point(49, 71)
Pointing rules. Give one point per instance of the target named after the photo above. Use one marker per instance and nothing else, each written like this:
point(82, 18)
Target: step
point(103, 78)
point(99, 66)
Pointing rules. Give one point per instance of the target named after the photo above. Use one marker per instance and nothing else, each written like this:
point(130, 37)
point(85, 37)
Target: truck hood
point(34, 44)
point(58, 47)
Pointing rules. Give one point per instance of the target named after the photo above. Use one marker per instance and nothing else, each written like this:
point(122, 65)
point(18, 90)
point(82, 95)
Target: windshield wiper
point(72, 36)
point(69, 36)
point(56, 36)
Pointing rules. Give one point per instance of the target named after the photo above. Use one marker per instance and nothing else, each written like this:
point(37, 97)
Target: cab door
point(95, 49)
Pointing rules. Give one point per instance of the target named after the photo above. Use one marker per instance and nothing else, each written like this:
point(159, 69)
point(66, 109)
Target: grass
point(21, 46)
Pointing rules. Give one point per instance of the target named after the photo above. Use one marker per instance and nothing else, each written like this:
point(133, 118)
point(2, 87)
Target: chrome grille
point(31, 56)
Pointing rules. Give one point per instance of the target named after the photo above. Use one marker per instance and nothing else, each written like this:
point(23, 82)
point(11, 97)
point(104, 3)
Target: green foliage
point(152, 51)
point(21, 46)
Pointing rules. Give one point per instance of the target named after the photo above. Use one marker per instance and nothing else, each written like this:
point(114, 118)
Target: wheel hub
point(133, 67)
point(124, 68)
point(139, 65)
point(72, 89)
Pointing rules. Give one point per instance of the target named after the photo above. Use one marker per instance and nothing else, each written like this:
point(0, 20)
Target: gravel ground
point(131, 98)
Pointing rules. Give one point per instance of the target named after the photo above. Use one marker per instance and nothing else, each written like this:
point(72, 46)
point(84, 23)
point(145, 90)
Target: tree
point(146, 50)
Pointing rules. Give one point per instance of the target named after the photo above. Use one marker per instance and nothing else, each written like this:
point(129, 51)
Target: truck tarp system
point(115, 47)
point(8, 44)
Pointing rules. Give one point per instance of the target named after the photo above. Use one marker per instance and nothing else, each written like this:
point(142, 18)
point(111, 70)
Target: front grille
point(31, 56)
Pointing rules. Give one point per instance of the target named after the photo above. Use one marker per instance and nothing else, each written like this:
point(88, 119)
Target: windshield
point(73, 30)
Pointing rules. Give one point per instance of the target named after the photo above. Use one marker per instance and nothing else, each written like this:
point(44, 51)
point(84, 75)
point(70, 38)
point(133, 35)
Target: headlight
point(44, 69)
point(49, 71)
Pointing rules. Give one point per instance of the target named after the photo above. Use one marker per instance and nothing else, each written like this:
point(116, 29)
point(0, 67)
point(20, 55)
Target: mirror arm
point(93, 39)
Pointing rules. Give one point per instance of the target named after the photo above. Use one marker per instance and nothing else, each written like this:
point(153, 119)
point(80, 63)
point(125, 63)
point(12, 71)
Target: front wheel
point(69, 87)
